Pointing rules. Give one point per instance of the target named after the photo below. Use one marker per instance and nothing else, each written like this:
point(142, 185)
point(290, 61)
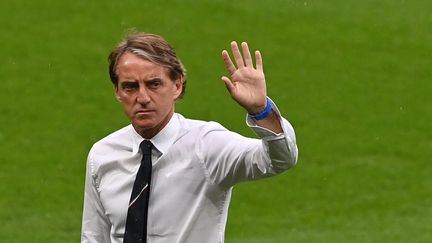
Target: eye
point(130, 86)
point(154, 84)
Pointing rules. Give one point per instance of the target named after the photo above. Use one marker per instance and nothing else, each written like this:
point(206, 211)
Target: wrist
point(263, 113)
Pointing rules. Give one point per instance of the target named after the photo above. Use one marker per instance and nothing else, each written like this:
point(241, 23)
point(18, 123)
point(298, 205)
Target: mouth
point(144, 112)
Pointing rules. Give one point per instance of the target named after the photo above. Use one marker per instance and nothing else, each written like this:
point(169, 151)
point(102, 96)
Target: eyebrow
point(152, 80)
point(129, 82)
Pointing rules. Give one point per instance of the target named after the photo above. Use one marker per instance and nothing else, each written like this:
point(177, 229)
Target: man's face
point(146, 93)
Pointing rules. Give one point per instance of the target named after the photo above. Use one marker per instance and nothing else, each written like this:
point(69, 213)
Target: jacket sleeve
point(229, 158)
point(95, 224)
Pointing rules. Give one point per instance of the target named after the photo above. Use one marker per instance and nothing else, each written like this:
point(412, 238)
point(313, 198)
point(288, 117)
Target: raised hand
point(247, 84)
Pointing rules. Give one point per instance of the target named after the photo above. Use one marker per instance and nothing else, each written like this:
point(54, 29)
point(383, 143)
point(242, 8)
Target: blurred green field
point(353, 77)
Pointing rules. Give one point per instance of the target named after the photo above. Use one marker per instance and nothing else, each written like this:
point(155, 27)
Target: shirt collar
point(163, 139)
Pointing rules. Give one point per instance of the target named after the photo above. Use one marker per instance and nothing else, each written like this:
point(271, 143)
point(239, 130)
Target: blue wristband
point(263, 114)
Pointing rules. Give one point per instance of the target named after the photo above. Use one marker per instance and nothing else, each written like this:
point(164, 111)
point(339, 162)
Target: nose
point(143, 96)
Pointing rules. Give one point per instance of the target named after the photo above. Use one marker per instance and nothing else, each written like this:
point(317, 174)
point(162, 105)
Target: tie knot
point(146, 147)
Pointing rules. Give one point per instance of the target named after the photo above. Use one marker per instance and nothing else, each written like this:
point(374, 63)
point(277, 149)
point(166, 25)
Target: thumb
point(228, 84)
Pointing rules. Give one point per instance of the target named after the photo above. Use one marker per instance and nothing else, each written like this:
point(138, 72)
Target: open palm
point(247, 84)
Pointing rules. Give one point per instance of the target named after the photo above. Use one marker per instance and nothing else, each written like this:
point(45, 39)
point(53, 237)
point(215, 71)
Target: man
point(168, 179)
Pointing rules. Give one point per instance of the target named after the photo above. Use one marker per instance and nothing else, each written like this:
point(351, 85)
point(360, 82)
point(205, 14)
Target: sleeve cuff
point(262, 132)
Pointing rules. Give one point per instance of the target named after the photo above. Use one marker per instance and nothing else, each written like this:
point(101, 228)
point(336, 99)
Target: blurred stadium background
point(353, 77)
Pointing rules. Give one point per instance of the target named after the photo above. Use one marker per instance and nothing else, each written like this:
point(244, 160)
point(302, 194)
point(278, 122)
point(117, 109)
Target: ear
point(178, 88)
point(117, 95)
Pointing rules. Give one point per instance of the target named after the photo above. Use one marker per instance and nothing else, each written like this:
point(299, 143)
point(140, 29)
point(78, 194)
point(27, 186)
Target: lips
point(144, 112)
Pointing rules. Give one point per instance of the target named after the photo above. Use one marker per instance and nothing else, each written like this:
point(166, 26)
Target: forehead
point(132, 65)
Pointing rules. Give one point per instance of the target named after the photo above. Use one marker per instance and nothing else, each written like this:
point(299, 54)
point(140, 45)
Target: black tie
point(136, 221)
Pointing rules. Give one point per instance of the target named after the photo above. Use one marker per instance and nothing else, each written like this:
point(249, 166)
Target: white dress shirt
point(195, 165)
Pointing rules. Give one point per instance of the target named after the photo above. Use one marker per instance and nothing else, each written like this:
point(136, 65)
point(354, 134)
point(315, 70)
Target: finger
point(228, 84)
point(228, 63)
point(247, 55)
point(259, 62)
point(237, 55)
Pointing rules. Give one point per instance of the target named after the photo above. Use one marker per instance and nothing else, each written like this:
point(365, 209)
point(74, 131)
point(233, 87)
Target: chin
point(143, 125)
